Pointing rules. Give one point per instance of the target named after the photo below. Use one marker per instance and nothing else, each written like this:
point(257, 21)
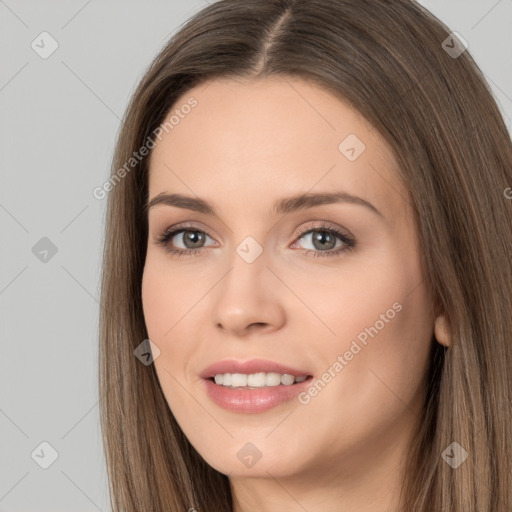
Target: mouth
point(253, 386)
point(257, 380)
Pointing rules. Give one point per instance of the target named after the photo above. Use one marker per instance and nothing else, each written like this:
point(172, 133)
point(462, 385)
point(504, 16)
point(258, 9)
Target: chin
point(258, 458)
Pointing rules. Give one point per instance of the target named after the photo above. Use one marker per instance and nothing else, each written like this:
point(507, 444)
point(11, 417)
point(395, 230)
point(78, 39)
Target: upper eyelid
point(178, 228)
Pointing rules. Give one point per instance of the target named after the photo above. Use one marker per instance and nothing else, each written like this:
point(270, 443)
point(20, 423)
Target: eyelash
point(169, 233)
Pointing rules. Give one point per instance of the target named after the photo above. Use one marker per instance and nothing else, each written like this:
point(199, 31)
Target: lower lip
point(252, 401)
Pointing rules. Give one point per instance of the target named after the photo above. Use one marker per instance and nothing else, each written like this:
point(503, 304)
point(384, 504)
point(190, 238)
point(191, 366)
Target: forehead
point(251, 140)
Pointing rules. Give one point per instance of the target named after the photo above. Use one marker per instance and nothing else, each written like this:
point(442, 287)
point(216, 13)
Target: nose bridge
point(243, 284)
point(246, 296)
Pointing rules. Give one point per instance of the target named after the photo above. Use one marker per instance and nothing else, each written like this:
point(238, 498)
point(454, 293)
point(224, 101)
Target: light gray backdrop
point(60, 115)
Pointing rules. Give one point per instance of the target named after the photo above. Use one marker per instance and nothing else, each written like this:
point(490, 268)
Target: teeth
point(257, 380)
point(272, 379)
point(238, 380)
point(287, 379)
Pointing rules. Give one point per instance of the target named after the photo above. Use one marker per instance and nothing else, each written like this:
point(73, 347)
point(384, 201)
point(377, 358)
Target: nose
point(248, 299)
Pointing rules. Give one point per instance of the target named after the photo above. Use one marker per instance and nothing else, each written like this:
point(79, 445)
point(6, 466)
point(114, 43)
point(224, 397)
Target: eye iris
point(323, 237)
point(194, 237)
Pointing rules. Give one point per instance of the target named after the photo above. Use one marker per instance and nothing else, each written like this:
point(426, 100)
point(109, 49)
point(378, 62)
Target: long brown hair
point(391, 60)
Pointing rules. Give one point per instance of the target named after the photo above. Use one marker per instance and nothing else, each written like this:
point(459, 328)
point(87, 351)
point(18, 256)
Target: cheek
point(165, 305)
point(166, 297)
point(381, 317)
point(157, 303)
point(172, 303)
point(378, 384)
point(365, 303)
point(389, 350)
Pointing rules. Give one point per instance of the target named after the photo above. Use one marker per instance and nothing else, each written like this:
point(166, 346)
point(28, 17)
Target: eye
point(192, 240)
point(326, 241)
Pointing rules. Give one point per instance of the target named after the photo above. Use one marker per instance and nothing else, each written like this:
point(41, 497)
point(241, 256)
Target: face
point(329, 289)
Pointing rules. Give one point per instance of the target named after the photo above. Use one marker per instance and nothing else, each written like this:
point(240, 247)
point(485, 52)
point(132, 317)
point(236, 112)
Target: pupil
point(195, 237)
point(323, 237)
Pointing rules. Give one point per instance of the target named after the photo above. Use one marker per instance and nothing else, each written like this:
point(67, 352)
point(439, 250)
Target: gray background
point(59, 120)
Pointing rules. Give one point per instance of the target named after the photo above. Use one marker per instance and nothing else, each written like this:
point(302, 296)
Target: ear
point(441, 330)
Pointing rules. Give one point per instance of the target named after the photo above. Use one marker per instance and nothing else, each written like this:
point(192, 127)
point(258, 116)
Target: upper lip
point(248, 367)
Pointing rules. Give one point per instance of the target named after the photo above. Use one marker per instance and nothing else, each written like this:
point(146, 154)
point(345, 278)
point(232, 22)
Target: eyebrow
point(282, 206)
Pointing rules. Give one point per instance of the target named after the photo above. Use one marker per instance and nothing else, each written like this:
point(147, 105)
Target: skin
point(245, 145)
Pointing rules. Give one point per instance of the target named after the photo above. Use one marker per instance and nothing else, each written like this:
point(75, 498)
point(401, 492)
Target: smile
point(257, 380)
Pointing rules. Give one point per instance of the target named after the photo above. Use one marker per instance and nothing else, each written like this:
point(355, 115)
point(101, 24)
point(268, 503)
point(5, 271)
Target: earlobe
point(441, 330)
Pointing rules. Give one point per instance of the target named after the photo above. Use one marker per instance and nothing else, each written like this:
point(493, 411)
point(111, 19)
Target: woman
point(375, 378)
